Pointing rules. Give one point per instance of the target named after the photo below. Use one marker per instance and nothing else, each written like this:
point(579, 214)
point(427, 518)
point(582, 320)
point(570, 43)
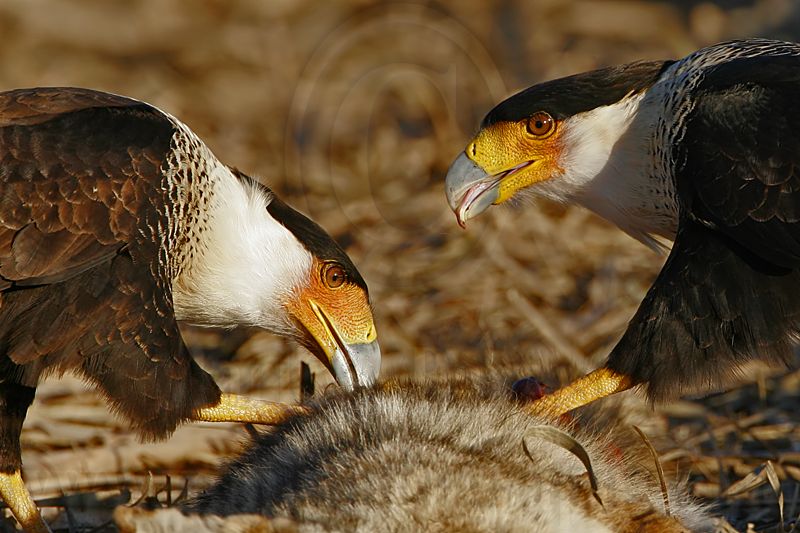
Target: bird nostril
point(472, 149)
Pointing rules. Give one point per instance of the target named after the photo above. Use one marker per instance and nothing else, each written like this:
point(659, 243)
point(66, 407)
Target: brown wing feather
point(37, 105)
point(83, 274)
point(34, 257)
point(68, 160)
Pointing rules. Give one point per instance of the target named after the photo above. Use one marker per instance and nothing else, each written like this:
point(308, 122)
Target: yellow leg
point(235, 408)
point(593, 386)
point(19, 500)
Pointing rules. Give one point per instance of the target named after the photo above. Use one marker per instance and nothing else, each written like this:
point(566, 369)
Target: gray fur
point(443, 456)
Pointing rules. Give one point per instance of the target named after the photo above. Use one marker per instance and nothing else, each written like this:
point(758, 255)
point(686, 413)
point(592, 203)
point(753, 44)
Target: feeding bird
point(705, 151)
point(116, 222)
point(455, 454)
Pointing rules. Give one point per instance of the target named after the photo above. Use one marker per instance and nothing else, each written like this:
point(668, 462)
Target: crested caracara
point(705, 151)
point(116, 222)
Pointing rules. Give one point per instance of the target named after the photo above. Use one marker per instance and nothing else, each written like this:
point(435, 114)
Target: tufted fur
point(443, 456)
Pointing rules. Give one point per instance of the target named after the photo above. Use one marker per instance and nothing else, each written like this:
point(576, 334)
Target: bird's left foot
point(235, 408)
point(19, 500)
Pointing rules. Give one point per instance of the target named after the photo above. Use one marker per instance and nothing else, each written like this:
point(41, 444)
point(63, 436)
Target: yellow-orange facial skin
point(334, 310)
point(504, 145)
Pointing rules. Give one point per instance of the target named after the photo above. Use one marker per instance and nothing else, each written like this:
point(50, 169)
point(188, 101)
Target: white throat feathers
point(249, 264)
point(607, 169)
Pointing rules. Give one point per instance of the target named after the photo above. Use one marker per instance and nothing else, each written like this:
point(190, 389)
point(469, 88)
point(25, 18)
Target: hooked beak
point(471, 190)
point(352, 364)
point(356, 365)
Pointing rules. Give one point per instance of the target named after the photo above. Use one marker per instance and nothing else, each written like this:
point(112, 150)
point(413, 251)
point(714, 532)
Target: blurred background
point(352, 111)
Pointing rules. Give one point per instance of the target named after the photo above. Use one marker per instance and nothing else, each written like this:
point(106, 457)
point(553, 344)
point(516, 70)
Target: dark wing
point(741, 156)
point(714, 306)
point(83, 263)
point(67, 201)
point(729, 290)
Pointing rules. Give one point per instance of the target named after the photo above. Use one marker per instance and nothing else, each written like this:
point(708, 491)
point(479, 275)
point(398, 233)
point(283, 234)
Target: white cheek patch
point(608, 166)
point(251, 265)
point(597, 142)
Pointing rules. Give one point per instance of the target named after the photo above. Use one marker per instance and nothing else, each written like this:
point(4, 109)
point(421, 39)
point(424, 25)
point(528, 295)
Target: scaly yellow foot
point(18, 499)
point(235, 408)
point(593, 386)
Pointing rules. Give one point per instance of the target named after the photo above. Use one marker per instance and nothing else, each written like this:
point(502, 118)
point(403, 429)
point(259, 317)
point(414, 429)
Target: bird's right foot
point(235, 408)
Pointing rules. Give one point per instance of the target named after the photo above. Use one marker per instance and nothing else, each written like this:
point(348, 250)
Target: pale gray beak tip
point(359, 367)
point(469, 189)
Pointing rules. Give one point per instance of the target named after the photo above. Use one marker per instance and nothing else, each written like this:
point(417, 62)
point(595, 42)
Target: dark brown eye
point(541, 124)
point(334, 276)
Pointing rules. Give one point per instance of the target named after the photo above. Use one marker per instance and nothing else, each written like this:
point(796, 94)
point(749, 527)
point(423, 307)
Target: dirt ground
point(352, 111)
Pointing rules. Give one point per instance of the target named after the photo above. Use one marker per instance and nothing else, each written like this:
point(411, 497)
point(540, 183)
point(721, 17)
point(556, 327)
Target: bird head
point(328, 308)
point(333, 320)
point(264, 264)
point(551, 138)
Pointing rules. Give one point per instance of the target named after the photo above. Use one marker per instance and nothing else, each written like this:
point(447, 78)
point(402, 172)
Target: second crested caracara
point(116, 222)
point(705, 151)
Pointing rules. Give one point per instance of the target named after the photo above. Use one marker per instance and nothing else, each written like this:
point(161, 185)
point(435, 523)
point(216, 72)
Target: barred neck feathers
point(678, 84)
